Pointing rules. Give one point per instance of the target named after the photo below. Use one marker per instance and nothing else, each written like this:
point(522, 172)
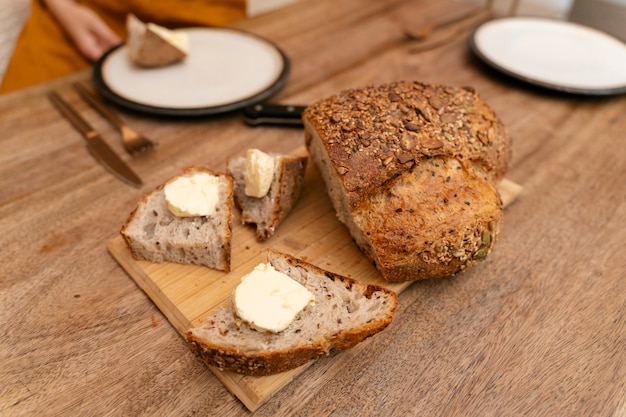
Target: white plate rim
point(487, 53)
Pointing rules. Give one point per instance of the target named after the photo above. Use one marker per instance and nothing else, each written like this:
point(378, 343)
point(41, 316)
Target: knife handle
point(273, 114)
point(77, 121)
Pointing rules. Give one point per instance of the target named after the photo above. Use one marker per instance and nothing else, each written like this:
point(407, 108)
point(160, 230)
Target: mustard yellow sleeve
point(41, 52)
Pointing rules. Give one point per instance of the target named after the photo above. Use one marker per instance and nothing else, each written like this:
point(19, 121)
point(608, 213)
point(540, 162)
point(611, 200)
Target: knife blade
point(98, 148)
point(273, 114)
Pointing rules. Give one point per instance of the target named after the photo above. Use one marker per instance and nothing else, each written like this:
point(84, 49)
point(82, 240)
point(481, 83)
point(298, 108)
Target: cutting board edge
point(245, 388)
point(117, 248)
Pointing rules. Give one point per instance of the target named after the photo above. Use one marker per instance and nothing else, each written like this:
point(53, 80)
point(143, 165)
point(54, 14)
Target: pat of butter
point(193, 195)
point(177, 38)
point(269, 300)
point(258, 173)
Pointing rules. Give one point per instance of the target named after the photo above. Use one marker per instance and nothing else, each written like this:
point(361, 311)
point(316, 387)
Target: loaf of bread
point(345, 313)
point(269, 211)
point(150, 45)
point(411, 170)
point(154, 233)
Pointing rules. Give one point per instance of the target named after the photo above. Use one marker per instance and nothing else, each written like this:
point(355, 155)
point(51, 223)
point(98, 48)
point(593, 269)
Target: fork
point(134, 142)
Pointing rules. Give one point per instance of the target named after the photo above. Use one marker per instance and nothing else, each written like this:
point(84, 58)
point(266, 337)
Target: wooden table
point(538, 329)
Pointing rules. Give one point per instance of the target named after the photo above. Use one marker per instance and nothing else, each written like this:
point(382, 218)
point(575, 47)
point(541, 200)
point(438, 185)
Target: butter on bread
point(153, 232)
point(345, 312)
point(150, 45)
point(411, 170)
point(268, 211)
point(270, 300)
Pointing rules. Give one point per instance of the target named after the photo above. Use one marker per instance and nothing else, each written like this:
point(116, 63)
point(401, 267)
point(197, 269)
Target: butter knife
point(98, 148)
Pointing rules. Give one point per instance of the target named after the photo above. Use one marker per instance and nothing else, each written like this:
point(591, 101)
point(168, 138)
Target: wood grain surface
point(539, 329)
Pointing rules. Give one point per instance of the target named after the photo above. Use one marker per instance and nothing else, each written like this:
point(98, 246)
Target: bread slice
point(269, 211)
point(345, 313)
point(153, 233)
point(150, 45)
point(411, 170)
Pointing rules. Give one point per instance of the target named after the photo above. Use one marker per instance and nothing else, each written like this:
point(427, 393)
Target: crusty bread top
point(373, 133)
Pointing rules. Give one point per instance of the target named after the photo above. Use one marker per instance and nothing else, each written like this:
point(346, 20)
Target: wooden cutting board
point(185, 294)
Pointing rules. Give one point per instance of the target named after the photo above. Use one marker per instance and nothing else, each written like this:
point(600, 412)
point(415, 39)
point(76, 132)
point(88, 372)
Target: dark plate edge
point(566, 89)
point(106, 92)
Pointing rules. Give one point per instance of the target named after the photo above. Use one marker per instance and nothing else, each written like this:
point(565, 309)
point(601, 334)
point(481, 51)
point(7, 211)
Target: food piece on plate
point(151, 45)
point(187, 220)
point(267, 187)
point(411, 170)
point(343, 313)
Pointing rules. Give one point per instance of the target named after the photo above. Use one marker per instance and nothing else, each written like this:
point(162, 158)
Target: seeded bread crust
point(153, 233)
point(411, 170)
point(345, 313)
point(269, 211)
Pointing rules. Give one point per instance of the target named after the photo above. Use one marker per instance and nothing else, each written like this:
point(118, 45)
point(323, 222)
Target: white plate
point(226, 69)
point(555, 54)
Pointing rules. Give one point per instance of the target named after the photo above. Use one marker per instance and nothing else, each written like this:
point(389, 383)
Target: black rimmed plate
point(226, 70)
point(554, 54)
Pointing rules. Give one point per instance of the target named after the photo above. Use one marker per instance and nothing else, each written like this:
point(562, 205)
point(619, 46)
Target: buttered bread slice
point(331, 312)
point(267, 186)
point(187, 220)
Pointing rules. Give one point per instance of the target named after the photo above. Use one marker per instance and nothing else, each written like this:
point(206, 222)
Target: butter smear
point(193, 195)
point(177, 38)
point(269, 300)
point(258, 173)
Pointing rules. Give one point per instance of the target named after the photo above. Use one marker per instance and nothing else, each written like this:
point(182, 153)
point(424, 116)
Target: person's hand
point(86, 29)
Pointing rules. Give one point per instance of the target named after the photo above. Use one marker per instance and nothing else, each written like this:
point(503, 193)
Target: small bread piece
point(269, 211)
point(345, 313)
point(411, 170)
point(153, 233)
point(150, 45)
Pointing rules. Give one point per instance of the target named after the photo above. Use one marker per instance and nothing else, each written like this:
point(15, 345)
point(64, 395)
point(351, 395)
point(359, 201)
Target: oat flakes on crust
point(411, 170)
point(373, 133)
